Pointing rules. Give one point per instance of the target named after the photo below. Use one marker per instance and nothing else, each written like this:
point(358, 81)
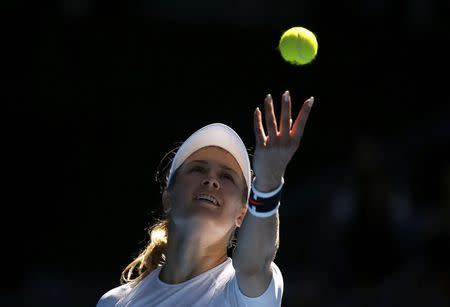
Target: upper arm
point(265, 290)
point(253, 284)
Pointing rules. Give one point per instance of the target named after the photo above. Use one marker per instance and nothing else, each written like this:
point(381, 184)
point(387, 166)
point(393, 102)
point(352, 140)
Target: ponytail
point(151, 257)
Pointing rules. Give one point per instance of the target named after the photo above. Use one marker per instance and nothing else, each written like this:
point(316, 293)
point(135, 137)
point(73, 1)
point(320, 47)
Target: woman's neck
point(190, 254)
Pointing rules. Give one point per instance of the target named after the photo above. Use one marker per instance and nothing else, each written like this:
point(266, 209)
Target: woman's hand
point(275, 148)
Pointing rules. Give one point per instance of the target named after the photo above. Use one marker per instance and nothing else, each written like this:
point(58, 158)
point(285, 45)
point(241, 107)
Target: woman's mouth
point(208, 198)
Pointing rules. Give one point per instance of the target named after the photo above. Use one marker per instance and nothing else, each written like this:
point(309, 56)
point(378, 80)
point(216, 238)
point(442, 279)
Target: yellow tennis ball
point(298, 46)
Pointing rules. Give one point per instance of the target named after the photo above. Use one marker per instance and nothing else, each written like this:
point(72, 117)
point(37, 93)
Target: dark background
point(101, 91)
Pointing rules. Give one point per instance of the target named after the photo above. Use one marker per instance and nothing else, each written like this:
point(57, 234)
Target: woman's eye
point(228, 177)
point(197, 169)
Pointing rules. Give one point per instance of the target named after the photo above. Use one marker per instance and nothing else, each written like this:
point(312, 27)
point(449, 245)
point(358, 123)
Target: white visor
point(219, 135)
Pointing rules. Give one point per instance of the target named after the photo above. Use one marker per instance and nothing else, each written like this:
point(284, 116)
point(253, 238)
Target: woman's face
point(207, 192)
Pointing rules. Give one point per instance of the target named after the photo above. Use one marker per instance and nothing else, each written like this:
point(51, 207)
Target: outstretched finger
point(258, 127)
point(302, 117)
point(269, 115)
point(285, 117)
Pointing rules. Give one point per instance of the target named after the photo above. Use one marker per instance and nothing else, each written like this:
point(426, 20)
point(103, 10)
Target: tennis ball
point(298, 46)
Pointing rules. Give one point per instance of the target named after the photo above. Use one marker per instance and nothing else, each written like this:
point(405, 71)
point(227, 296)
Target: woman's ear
point(240, 217)
point(166, 201)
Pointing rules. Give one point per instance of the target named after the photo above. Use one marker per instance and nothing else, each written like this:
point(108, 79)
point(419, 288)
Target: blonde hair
point(152, 257)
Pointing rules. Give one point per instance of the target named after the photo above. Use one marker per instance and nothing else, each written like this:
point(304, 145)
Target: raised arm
point(257, 241)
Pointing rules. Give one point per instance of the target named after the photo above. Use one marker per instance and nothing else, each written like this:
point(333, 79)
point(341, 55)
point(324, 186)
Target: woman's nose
point(210, 181)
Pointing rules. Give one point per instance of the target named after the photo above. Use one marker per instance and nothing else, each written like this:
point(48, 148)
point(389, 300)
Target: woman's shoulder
point(110, 298)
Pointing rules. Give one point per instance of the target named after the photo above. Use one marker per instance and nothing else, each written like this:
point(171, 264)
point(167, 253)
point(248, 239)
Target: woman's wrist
point(265, 204)
point(265, 184)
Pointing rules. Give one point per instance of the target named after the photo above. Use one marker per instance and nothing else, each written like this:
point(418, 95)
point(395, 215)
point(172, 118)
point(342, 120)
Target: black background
point(101, 91)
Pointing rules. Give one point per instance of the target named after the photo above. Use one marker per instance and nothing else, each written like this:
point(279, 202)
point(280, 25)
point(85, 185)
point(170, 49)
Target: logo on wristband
point(255, 202)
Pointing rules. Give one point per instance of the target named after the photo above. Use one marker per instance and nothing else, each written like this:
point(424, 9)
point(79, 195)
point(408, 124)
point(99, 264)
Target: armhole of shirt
point(271, 297)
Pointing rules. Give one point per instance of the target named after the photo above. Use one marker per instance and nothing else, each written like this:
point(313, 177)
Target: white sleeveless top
point(216, 287)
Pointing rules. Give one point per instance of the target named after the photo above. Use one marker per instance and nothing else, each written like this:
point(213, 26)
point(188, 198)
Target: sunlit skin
point(205, 204)
point(274, 149)
point(199, 232)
